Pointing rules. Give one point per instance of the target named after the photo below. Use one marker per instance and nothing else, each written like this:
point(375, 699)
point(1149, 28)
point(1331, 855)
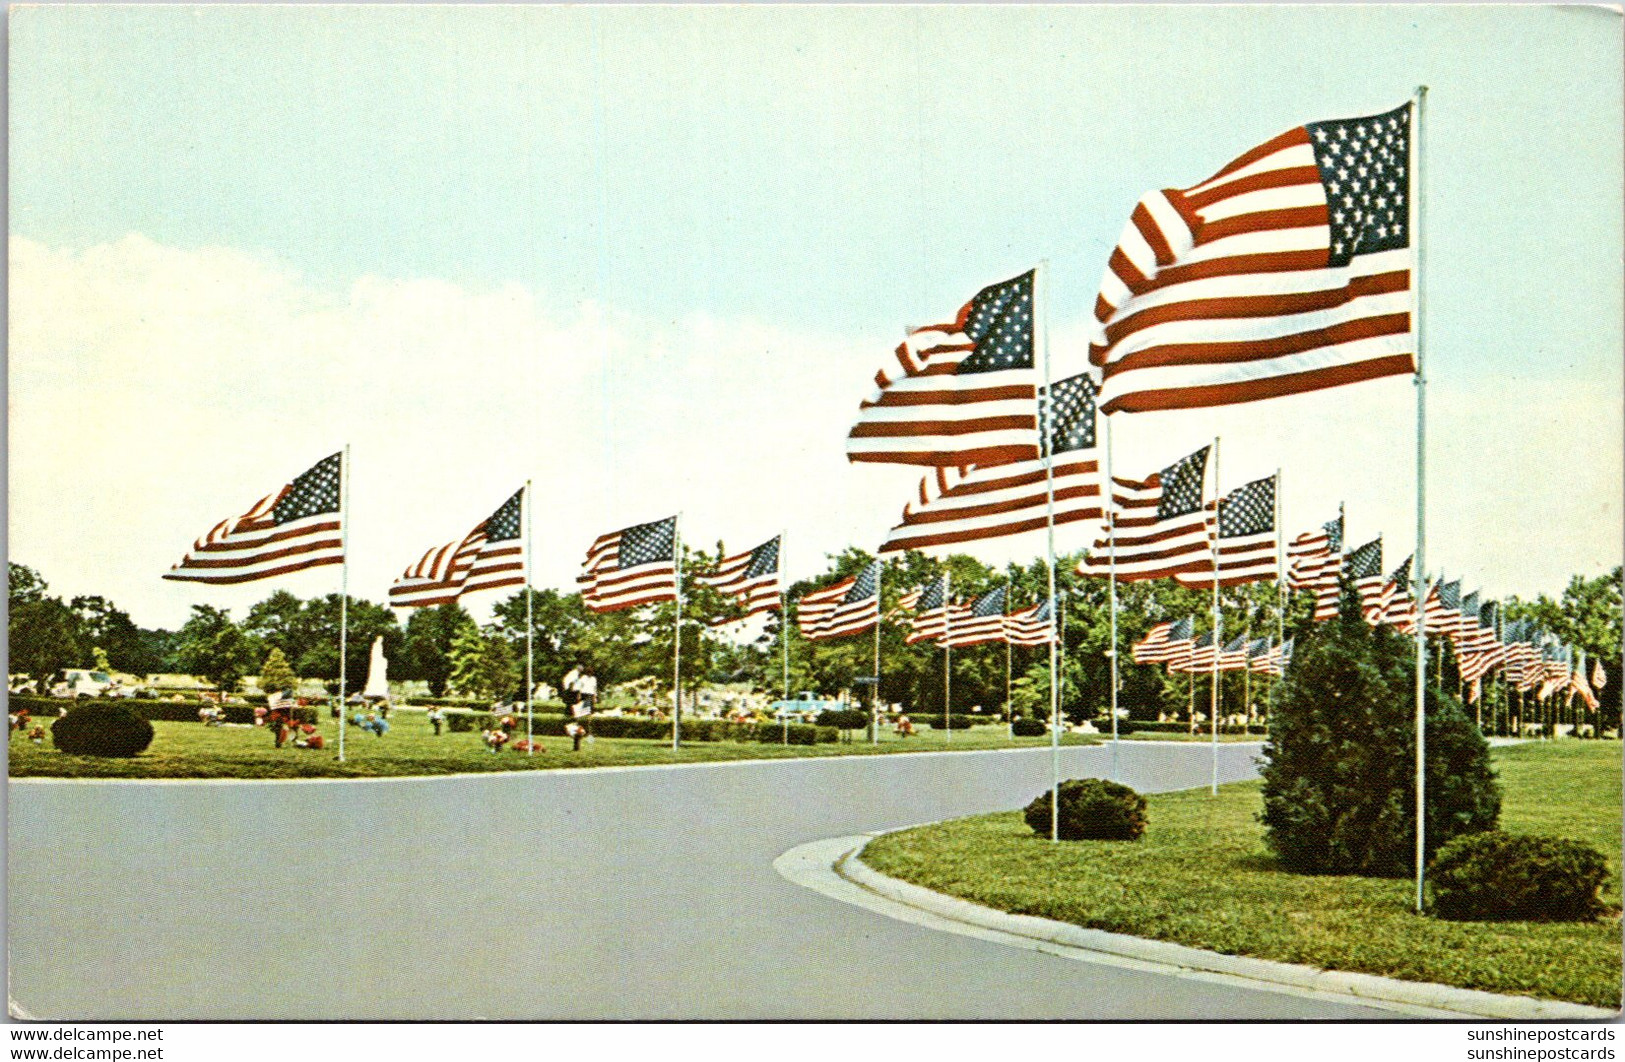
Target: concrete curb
point(1355, 987)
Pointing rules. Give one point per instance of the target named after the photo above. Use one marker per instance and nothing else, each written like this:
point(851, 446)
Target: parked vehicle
point(82, 684)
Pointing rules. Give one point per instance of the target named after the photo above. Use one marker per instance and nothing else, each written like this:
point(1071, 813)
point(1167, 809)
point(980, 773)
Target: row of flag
point(1172, 644)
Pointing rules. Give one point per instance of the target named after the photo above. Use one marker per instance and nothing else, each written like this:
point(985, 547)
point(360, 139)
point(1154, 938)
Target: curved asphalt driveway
point(620, 894)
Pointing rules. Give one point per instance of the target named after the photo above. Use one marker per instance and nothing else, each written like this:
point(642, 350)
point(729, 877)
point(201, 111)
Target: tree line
point(447, 649)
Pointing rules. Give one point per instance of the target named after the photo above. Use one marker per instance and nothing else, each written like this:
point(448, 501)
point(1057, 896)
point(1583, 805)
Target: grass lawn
point(191, 750)
point(1201, 876)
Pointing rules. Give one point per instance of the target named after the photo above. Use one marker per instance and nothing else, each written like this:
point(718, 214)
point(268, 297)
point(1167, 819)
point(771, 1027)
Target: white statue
point(377, 671)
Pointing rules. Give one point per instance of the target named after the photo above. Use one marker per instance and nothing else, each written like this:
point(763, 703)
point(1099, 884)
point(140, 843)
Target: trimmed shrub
point(955, 721)
point(1124, 726)
point(1339, 778)
point(1027, 726)
point(844, 718)
point(101, 728)
point(1495, 876)
point(1091, 809)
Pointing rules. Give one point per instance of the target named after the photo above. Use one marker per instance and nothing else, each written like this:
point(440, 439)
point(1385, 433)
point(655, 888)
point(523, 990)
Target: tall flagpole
point(1009, 716)
point(530, 641)
point(947, 653)
point(1111, 545)
point(874, 697)
point(784, 615)
point(344, 591)
point(677, 635)
point(1218, 619)
point(1041, 296)
point(1417, 274)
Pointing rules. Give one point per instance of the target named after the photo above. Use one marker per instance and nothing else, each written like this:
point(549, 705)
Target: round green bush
point(1027, 726)
point(1495, 876)
point(101, 728)
point(844, 718)
point(1091, 809)
point(1339, 775)
point(1104, 725)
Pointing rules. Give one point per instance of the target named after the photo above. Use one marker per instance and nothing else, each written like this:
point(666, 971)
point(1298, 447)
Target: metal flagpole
point(874, 697)
point(1041, 295)
point(344, 589)
point(1111, 569)
point(1247, 672)
point(530, 641)
point(1421, 496)
point(947, 653)
point(1009, 717)
point(677, 635)
point(1218, 619)
point(784, 615)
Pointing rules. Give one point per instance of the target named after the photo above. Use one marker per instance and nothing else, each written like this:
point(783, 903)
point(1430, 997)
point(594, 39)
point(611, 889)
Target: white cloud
point(155, 390)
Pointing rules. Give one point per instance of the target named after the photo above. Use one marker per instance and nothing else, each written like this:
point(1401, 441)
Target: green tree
point(215, 647)
point(483, 664)
point(275, 675)
point(1338, 790)
point(43, 638)
point(23, 584)
point(428, 640)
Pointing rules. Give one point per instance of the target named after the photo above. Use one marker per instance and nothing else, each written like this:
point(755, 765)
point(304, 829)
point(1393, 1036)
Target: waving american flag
point(295, 527)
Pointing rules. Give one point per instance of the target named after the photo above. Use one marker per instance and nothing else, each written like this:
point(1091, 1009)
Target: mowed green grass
point(191, 750)
point(1201, 876)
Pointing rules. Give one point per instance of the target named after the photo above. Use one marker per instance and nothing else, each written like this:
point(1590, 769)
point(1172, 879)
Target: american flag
point(1398, 603)
point(1033, 625)
point(1172, 644)
point(969, 504)
point(931, 616)
point(631, 567)
point(966, 393)
point(1233, 657)
point(487, 558)
point(1555, 672)
point(1579, 685)
point(751, 577)
point(1287, 271)
point(1258, 657)
point(1151, 647)
point(1159, 525)
point(1363, 568)
point(1246, 547)
point(288, 530)
point(1315, 563)
point(852, 612)
point(1483, 652)
point(982, 622)
point(1523, 659)
point(1472, 633)
point(1201, 657)
point(1181, 647)
point(1441, 609)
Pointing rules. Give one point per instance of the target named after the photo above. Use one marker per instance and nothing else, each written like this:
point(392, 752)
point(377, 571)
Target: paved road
point(637, 894)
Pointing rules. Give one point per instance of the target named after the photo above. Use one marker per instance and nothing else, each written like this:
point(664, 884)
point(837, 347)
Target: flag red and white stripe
point(1287, 271)
point(1159, 526)
point(295, 527)
point(489, 557)
point(631, 567)
point(1030, 626)
point(978, 623)
point(751, 578)
point(962, 393)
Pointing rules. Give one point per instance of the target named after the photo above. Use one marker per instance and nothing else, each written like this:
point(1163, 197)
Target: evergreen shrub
point(1027, 726)
point(1494, 876)
point(101, 728)
point(1091, 809)
point(1339, 777)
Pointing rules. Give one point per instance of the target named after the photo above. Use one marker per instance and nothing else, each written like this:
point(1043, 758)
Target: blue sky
point(651, 257)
